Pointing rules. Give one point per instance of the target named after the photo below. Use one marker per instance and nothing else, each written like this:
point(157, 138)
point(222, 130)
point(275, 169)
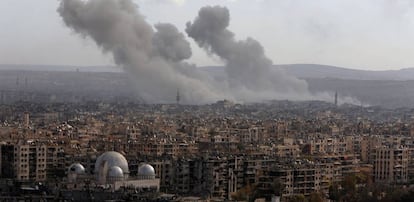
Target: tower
point(178, 97)
point(336, 98)
point(26, 119)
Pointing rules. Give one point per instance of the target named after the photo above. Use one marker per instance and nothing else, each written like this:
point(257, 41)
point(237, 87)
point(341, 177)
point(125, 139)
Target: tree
point(296, 198)
point(334, 193)
point(244, 193)
point(277, 187)
point(349, 184)
point(315, 197)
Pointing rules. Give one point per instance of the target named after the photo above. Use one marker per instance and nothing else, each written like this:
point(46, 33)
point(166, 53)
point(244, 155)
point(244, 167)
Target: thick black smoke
point(154, 56)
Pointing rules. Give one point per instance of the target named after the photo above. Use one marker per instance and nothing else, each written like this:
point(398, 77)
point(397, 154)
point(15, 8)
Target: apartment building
point(300, 178)
point(391, 165)
point(32, 161)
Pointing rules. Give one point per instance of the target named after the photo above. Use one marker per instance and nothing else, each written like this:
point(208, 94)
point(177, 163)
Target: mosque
point(112, 172)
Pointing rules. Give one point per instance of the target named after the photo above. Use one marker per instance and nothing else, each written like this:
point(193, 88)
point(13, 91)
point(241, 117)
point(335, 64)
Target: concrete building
point(24, 162)
point(391, 165)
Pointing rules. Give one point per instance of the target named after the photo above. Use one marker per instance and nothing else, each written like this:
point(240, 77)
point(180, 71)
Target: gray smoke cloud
point(155, 56)
point(170, 43)
point(247, 66)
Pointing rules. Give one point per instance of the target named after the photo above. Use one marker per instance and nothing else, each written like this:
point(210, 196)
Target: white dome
point(146, 170)
point(115, 172)
point(111, 159)
point(76, 168)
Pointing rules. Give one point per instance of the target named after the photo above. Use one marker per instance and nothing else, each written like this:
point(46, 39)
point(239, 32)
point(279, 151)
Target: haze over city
point(371, 34)
point(207, 100)
point(213, 50)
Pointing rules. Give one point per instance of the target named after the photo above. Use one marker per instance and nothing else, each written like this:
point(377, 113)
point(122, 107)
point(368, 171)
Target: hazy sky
point(362, 34)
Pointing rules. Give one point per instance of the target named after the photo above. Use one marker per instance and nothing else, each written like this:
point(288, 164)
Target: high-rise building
point(391, 165)
point(30, 161)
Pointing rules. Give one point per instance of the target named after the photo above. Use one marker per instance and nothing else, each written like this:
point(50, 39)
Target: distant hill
point(298, 70)
point(59, 68)
point(325, 71)
point(394, 88)
point(386, 93)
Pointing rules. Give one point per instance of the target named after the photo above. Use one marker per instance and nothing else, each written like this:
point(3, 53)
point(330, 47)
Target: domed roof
point(115, 171)
point(76, 168)
point(111, 159)
point(146, 170)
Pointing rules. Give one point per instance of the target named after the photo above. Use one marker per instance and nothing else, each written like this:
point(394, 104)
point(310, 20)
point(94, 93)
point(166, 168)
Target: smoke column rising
point(154, 56)
point(247, 66)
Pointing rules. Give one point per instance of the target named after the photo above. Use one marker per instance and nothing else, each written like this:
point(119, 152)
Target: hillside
point(325, 71)
point(385, 88)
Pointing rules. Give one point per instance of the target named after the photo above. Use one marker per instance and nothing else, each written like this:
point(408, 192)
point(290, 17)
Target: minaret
point(336, 98)
point(178, 97)
point(26, 119)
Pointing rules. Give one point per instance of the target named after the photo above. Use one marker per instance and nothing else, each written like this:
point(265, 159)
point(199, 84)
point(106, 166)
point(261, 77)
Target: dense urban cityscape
point(279, 150)
point(206, 101)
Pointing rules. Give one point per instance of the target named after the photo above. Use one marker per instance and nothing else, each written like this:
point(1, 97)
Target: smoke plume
point(154, 56)
point(171, 44)
point(247, 66)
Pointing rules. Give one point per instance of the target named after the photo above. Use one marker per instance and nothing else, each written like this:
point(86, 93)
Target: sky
point(359, 34)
